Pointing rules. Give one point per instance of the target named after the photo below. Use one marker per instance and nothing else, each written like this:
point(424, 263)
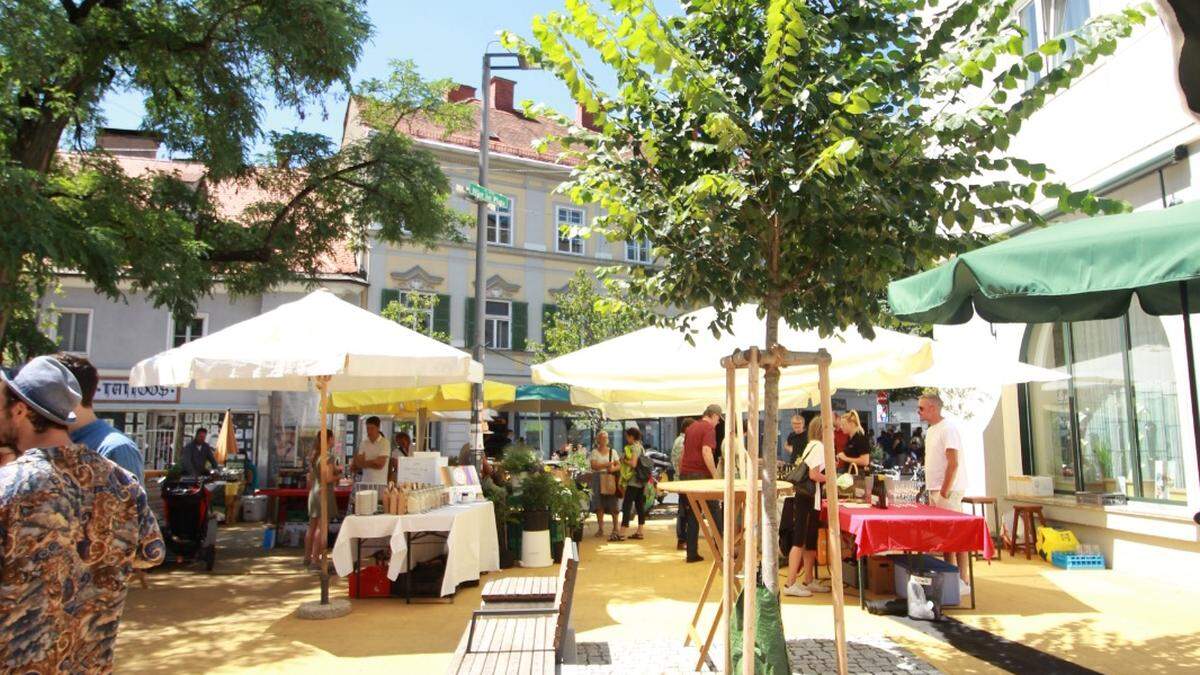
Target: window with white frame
point(568, 221)
point(186, 329)
point(638, 250)
point(74, 330)
point(408, 300)
point(500, 224)
point(1044, 20)
point(497, 324)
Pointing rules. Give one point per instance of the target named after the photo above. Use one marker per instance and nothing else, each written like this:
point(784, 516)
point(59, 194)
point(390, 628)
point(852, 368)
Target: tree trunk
point(768, 453)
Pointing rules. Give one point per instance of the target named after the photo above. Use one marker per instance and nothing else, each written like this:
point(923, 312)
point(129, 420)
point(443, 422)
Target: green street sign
point(481, 194)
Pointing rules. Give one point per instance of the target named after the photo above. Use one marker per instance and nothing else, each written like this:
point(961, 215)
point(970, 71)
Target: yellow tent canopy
point(409, 400)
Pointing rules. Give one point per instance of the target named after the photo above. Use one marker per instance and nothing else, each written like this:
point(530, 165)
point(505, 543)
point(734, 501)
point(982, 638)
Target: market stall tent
point(658, 371)
point(317, 342)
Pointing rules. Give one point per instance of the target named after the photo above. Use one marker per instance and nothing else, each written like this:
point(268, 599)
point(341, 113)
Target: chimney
point(460, 92)
point(502, 94)
point(584, 118)
point(128, 143)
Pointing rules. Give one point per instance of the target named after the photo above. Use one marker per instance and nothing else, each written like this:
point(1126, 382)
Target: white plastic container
point(365, 502)
point(254, 508)
point(535, 549)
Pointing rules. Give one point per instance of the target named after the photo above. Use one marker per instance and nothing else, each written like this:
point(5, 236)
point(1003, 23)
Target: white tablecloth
point(471, 547)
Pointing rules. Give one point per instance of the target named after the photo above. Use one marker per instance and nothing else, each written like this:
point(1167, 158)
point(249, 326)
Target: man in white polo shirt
point(372, 458)
point(942, 451)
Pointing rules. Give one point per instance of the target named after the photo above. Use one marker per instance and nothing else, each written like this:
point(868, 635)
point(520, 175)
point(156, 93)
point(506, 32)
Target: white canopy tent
point(655, 372)
point(320, 334)
point(321, 342)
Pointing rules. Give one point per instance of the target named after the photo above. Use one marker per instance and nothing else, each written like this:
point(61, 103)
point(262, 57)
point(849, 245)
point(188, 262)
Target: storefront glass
point(1114, 426)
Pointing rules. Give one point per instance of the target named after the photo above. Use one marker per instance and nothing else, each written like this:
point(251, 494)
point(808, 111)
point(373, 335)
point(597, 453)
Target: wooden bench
point(520, 639)
point(528, 589)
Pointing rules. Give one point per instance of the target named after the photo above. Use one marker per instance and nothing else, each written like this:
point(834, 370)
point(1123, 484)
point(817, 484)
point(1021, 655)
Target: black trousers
point(635, 498)
point(692, 526)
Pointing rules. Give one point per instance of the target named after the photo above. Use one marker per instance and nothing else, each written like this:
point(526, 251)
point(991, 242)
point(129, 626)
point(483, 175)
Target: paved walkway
point(808, 655)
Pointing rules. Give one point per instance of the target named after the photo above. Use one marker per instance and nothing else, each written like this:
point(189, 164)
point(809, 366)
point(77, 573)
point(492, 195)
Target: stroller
point(190, 532)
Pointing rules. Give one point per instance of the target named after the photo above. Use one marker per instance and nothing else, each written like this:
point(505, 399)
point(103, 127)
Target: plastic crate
point(1077, 561)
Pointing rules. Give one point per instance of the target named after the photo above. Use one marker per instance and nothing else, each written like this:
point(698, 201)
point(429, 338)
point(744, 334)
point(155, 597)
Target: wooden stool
point(983, 502)
point(1024, 514)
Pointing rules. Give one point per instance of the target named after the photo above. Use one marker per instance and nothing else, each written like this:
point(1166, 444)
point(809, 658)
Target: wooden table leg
point(715, 540)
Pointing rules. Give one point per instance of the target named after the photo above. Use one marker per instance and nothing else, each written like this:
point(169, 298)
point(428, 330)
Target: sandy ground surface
point(239, 617)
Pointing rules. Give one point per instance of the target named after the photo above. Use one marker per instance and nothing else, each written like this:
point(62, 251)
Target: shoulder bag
point(608, 481)
point(800, 478)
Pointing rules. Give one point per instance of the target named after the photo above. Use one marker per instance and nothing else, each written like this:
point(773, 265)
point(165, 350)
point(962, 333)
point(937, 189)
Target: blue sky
point(445, 38)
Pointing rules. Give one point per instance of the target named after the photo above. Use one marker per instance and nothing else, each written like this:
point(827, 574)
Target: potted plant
point(570, 508)
point(537, 496)
point(505, 516)
point(519, 462)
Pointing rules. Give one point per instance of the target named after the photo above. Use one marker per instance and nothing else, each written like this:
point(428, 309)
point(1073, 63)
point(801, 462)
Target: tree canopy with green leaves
point(415, 312)
point(584, 316)
point(803, 153)
point(207, 70)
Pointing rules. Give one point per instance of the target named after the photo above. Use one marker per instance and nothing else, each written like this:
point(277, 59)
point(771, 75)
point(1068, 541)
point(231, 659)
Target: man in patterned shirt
point(73, 526)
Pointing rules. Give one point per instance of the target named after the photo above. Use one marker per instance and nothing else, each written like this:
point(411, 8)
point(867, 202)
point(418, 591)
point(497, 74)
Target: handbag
point(608, 481)
point(800, 477)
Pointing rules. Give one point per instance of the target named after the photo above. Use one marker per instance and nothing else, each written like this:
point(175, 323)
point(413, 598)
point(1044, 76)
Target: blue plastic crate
point(1077, 561)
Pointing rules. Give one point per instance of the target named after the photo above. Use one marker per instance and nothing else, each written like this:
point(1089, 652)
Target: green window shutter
point(469, 338)
point(441, 315)
point(520, 325)
point(548, 312)
point(388, 296)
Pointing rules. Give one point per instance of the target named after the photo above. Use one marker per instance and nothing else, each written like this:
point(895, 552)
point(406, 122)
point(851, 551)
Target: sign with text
point(481, 194)
point(119, 391)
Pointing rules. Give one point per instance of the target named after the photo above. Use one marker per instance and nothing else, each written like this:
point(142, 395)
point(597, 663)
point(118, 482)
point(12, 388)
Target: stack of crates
point(1077, 561)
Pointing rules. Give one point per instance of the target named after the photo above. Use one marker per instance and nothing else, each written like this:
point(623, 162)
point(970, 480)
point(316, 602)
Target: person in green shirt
point(635, 486)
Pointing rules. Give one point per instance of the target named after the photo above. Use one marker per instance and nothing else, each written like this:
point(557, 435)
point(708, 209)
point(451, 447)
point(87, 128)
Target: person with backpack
point(635, 473)
point(806, 475)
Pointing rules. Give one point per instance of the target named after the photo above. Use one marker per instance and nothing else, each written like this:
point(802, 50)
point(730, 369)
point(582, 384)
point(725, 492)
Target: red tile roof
point(512, 133)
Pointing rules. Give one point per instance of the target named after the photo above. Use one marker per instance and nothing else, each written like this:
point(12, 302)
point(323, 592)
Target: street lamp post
point(481, 236)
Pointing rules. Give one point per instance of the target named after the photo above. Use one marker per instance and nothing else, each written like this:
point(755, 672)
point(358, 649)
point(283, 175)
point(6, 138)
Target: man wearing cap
point(94, 432)
point(696, 463)
point(73, 526)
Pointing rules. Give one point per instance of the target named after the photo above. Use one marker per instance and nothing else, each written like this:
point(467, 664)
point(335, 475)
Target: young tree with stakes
point(206, 70)
point(801, 154)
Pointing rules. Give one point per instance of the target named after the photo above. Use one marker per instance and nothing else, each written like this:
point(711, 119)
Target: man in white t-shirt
point(372, 457)
point(942, 450)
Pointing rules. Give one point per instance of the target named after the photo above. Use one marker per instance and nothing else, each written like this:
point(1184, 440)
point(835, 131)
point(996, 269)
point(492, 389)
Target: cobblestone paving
point(808, 655)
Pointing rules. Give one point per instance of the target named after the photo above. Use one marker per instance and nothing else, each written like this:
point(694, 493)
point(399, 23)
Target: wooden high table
point(699, 493)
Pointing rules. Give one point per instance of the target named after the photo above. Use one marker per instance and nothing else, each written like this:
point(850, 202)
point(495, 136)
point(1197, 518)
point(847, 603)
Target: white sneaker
point(817, 586)
point(797, 590)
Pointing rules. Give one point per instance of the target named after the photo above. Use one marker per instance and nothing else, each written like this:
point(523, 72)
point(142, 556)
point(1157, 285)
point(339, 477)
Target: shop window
point(184, 330)
point(567, 222)
point(500, 225)
point(1114, 426)
point(74, 330)
point(497, 328)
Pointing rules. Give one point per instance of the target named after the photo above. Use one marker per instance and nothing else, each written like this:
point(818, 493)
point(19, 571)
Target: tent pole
point(1190, 349)
point(750, 572)
point(835, 530)
point(729, 549)
point(323, 386)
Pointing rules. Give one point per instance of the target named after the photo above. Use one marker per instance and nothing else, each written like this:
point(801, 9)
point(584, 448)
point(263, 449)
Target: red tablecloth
point(915, 527)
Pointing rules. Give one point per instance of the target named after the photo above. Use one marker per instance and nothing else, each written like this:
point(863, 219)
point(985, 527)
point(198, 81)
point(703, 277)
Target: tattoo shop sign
point(118, 391)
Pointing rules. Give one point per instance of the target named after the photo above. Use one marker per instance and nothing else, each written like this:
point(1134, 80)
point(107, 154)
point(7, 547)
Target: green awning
point(1073, 271)
point(543, 392)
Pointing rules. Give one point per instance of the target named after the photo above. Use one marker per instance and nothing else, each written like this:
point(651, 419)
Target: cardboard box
point(881, 578)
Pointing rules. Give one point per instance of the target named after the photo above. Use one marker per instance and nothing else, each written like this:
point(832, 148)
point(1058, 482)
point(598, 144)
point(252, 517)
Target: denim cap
point(48, 387)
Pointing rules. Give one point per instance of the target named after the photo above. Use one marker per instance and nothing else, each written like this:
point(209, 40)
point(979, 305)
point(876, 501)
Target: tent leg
point(323, 384)
point(1190, 348)
point(728, 514)
point(835, 529)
